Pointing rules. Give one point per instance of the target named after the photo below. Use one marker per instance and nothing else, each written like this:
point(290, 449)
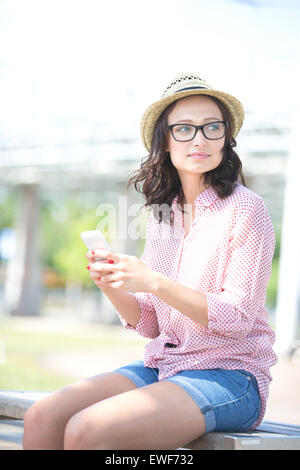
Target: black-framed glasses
point(185, 132)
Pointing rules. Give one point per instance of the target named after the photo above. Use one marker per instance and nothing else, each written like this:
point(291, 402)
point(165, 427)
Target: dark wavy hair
point(158, 180)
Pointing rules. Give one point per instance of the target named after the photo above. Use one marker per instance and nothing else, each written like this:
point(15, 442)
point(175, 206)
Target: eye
point(183, 129)
point(214, 126)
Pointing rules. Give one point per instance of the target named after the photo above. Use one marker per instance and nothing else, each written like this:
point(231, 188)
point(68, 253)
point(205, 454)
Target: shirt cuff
point(226, 319)
point(147, 325)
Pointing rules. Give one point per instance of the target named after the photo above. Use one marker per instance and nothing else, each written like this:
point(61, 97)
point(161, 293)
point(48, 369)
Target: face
point(199, 155)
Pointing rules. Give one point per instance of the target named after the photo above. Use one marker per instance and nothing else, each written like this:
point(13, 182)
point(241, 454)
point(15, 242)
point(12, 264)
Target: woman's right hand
point(91, 255)
point(125, 303)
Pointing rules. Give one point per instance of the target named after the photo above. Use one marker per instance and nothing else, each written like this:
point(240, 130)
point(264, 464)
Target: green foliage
point(7, 208)
point(272, 286)
point(273, 283)
point(61, 246)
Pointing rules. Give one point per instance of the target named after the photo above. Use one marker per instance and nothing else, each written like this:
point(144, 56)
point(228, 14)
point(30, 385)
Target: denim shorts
point(228, 399)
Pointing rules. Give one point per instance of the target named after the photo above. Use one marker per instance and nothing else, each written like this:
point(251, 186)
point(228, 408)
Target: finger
point(89, 256)
point(109, 282)
point(116, 284)
point(99, 283)
point(100, 267)
point(110, 277)
point(91, 265)
point(92, 259)
point(115, 257)
point(98, 253)
point(95, 275)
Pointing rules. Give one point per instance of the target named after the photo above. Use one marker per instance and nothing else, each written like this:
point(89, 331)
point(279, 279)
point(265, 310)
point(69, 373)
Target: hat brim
point(152, 113)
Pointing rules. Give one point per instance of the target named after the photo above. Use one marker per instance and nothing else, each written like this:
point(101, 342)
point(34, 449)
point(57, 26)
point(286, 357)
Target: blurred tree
point(61, 246)
point(272, 286)
point(7, 208)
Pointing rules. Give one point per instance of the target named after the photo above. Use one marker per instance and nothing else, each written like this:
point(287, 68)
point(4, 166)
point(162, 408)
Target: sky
point(80, 69)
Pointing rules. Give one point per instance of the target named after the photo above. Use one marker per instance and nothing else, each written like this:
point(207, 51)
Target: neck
point(189, 192)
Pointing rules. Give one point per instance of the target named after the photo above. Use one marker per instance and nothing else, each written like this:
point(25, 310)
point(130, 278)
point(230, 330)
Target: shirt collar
point(205, 198)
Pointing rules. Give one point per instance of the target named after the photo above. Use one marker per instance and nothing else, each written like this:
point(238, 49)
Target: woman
point(198, 292)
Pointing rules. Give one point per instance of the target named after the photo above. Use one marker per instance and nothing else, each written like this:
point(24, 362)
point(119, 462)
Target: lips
point(199, 155)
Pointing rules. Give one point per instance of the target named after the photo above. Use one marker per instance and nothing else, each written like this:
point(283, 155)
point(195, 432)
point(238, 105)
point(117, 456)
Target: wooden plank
point(245, 441)
point(277, 427)
point(14, 404)
point(269, 435)
point(211, 441)
point(266, 442)
point(11, 434)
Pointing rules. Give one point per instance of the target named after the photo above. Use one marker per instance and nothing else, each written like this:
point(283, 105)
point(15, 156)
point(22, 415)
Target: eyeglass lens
point(212, 130)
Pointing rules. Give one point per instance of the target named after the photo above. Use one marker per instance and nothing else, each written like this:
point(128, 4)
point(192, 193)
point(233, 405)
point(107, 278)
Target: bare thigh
point(158, 416)
point(45, 421)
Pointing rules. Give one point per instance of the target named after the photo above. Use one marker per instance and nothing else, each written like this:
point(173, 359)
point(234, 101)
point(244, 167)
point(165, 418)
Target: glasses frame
point(197, 128)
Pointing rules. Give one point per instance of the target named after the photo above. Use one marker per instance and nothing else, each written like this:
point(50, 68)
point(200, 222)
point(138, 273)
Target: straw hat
point(187, 84)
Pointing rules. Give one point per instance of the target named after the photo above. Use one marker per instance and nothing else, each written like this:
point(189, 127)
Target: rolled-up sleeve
point(147, 325)
point(233, 311)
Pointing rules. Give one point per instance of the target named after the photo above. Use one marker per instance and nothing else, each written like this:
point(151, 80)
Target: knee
point(34, 424)
point(80, 434)
point(76, 432)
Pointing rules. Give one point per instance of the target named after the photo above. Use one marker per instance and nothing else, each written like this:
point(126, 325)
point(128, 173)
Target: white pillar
point(22, 289)
point(288, 298)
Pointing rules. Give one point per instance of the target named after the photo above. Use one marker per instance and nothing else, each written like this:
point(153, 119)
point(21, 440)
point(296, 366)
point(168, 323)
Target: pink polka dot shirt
point(227, 255)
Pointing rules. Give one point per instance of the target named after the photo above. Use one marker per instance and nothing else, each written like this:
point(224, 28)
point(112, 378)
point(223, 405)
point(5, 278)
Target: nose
point(199, 138)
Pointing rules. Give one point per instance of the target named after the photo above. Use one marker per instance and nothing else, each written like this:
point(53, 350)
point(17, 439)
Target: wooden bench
point(269, 435)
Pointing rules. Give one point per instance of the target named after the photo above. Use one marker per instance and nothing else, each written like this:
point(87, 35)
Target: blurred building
point(264, 146)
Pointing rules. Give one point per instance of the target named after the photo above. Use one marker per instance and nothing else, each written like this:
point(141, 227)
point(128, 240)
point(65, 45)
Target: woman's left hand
point(127, 272)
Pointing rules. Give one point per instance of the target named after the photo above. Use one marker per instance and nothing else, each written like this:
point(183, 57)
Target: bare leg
point(45, 421)
point(158, 416)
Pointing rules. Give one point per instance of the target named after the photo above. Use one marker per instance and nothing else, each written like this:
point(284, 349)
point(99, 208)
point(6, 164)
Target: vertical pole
point(22, 290)
point(288, 298)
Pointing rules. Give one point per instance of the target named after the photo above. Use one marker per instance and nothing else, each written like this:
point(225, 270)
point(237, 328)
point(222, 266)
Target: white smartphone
point(94, 239)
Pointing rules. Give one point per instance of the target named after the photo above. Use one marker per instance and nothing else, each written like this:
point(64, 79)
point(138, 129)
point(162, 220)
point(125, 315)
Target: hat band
point(192, 88)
